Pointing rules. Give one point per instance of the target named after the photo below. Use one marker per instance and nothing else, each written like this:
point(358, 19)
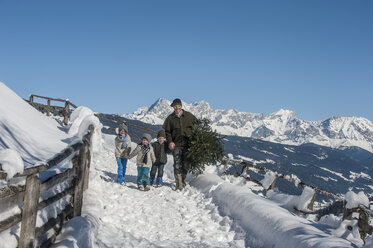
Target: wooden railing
point(67, 109)
point(64, 111)
point(116, 120)
point(27, 196)
point(361, 213)
point(246, 166)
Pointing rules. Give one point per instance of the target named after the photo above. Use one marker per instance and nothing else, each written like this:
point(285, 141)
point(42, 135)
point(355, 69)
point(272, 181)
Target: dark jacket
point(160, 152)
point(179, 129)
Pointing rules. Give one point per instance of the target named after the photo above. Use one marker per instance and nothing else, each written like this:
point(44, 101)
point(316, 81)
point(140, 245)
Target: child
point(144, 161)
point(160, 151)
point(122, 149)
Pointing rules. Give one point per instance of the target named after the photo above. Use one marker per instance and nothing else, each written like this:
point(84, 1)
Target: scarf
point(181, 113)
point(123, 139)
point(145, 149)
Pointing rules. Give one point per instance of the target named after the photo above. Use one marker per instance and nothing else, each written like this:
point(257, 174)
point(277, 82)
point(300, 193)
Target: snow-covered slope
point(282, 126)
point(33, 135)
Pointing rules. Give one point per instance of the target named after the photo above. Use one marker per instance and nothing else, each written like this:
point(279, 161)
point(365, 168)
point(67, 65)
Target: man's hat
point(176, 101)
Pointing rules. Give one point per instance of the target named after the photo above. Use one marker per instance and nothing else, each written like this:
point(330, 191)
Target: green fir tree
point(206, 147)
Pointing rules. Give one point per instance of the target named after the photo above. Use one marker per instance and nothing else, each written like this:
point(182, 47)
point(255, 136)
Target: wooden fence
point(246, 166)
point(27, 196)
point(362, 213)
point(64, 111)
point(116, 120)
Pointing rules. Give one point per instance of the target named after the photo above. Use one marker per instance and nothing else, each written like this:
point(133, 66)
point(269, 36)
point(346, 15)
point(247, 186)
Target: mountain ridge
point(282, 126)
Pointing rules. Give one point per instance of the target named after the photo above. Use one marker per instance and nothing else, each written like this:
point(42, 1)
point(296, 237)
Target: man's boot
point(183, 176)
point(179, 181)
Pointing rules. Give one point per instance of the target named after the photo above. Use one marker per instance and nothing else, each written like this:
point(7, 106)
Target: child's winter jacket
point(160, 152)
point(120, 149)
point(141, 160)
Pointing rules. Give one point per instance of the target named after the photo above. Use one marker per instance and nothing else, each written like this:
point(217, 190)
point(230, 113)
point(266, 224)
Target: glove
point(128, 151)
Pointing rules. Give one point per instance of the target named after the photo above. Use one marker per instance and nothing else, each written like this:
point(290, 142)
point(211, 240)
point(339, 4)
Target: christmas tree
point(206, 147)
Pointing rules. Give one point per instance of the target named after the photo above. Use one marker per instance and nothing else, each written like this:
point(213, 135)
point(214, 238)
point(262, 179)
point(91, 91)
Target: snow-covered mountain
point(282, 126)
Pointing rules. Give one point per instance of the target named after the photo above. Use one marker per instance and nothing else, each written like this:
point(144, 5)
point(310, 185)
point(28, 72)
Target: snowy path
point(160, 217)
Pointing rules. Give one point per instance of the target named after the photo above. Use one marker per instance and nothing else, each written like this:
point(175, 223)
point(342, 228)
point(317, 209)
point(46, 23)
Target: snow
point(354, 175)
point(267, 224)
point(354, 200)
point(353, 236)
point(268, 179)
point(79, 232)
point(211, 212)
point(292, 202)
point(11, 162)
point(214, 210)
point(161, 217)
point(337, 174)
point(33, 135)
point(81, 118)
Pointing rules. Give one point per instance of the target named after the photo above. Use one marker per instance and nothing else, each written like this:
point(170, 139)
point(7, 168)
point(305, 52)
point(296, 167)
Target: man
point(178, 127)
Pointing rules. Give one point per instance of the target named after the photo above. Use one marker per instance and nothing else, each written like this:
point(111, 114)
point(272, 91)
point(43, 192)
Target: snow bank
point(354, 200)
point(353, 235)
point(11, 162)
point(81, 118)
point(271, 225)
point(78, 232)
point(291, 202)
point(268, 179)
point(34, 136)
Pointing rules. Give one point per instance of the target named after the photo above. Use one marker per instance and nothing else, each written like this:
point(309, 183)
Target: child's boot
point(146, 187)
point(158, 181)
point(151, 180)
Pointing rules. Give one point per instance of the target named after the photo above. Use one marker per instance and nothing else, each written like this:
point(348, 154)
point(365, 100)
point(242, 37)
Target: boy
point(160, 151)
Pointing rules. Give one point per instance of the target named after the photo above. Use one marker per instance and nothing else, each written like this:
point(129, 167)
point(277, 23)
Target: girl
point(122, 149)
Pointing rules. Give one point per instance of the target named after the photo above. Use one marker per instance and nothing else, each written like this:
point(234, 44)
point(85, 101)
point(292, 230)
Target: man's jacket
point(178, 129)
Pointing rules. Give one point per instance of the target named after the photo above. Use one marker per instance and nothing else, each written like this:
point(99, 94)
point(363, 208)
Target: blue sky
point(312, 57)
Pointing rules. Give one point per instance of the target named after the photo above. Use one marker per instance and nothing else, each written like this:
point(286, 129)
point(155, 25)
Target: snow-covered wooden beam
point(127, 123)
point(292, 179)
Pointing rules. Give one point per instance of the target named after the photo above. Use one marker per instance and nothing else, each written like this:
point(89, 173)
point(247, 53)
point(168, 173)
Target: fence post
point(244, 170)
point(31, 99)
point(310, 205)
point(272, 186)
point(66, 113)
point(29, 212)
point(363, 220)
point(80, 172)
point(87, 168)
point(49, 106)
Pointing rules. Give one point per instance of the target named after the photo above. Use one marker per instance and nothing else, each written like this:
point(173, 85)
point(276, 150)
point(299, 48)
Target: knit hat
point(147, 136)
point(161, 133)
point(123, 126)
point(176, 101)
